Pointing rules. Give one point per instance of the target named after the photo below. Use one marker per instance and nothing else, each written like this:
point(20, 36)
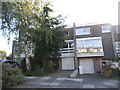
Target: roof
point(87, 25)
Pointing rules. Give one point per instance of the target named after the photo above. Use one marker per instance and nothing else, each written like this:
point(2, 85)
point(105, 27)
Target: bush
point(11, 75)
point(119, 63)
point(39, 72)
point(23, 65)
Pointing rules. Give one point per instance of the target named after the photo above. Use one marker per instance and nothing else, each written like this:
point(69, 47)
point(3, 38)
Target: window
point(83, 31)
point(117, 44)
point(118, 30)
point(105, 29)
point(71, 45)
point(119, 55)
point(67, 33)
point(89, 47)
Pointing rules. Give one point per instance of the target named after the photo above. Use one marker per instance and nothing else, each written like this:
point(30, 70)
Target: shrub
point(39, 72)
point(23, 65)
point(119, 63)
point(11, 75)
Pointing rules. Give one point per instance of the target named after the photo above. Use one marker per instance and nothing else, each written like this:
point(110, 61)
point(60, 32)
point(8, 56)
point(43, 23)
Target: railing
point(67, 52)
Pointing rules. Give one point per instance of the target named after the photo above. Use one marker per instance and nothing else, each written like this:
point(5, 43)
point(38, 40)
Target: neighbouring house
point(18, 50)
point(116, 33)
point(90, 44)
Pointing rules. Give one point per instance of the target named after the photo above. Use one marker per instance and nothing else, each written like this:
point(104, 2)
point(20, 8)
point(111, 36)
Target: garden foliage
point(11, 75)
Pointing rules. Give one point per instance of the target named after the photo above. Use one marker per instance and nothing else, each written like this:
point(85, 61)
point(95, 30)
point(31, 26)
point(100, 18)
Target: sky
point(79, 12)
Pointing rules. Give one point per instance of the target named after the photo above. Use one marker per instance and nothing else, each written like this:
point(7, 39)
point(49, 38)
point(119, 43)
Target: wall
point(97, 66)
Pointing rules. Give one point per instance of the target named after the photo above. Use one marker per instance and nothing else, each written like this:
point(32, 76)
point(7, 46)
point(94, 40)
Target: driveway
point(61, 80)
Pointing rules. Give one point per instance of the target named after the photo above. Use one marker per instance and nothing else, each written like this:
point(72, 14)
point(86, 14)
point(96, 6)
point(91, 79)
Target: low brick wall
point(107, 71)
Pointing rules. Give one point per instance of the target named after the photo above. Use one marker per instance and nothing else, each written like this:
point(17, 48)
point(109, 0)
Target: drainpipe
point(75, 50)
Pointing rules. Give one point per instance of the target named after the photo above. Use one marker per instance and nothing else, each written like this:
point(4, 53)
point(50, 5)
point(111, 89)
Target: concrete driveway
point(61, 80)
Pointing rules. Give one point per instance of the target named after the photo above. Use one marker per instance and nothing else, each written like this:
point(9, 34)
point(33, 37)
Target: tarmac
point(61, 79)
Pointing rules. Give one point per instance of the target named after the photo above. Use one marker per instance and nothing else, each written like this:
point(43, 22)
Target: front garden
point(11, 75)
point(111, 70)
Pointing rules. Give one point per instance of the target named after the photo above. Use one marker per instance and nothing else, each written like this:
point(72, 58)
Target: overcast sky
point(80, 12)
point(87, 11)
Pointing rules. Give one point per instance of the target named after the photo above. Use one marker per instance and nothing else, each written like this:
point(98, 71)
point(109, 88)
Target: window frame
point(117, 43)
point(94, 54)
point(104, 28)
point(82, 29)
point(67, 33)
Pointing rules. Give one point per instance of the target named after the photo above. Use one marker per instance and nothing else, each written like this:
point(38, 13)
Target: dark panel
point(71, 34)
point(107, 46)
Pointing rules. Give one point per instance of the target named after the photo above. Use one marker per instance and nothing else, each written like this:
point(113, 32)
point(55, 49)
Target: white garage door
point(87, 64)
point(68, 63)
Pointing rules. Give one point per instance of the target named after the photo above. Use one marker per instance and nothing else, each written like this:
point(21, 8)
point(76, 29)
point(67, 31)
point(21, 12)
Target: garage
point(87, 64)
point(68, 63)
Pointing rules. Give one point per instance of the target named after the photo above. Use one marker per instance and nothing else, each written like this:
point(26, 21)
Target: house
point(87, 46)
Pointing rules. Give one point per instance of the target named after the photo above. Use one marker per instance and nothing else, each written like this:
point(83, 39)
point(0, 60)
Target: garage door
point(87, 64)
point(68, 63)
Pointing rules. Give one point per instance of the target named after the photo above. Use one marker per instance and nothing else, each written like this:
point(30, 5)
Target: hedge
point(11, 75)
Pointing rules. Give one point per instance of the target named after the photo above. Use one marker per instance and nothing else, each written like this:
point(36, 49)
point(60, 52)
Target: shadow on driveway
point(60, 74)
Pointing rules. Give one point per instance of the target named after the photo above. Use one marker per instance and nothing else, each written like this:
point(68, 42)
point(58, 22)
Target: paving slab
point(28, 77)
point(100, 86)
point(54, 84)
point(61, 79)
point(78, 80)
point(45, 78)
point(88, 86)
point(44, 83)
point(109, 83)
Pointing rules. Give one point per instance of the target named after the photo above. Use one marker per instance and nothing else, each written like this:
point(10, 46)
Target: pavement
point(61, 79)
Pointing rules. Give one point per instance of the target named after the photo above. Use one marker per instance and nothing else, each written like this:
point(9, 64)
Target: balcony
point(89, 47)
point(66, 52)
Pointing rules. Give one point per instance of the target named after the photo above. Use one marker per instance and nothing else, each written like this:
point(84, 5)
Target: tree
point(33, 22)
point(17, 17)
point(51, 37)
point(2, 54)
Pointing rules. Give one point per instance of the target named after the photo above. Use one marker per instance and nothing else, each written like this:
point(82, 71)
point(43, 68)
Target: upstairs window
point(89, 47)
point(67, 33)
point(83, 31)
point(118, 30)
point(105, 29)
point(117, 44)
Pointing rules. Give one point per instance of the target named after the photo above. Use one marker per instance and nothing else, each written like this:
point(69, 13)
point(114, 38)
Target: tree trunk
point(28, 65)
